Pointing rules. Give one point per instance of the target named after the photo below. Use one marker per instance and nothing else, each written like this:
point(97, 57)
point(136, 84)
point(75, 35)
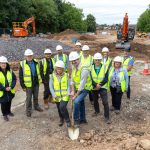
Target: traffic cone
point(146, 71)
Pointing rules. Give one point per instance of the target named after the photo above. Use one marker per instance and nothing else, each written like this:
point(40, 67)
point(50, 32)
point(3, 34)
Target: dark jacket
point(49, 70)
point(34, 78)
point(7, 94)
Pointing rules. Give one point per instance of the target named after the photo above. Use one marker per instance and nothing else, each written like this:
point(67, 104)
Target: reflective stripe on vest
point(27, 73)
point(99, 78)
point(126, 64)
point(76, 76)
point(44, 63)
point(122, 79)
point(87, 61)
point(9, 79)
point(60, 87)
point(106, 64)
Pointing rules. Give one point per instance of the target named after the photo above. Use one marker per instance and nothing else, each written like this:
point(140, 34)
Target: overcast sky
point(112, 11)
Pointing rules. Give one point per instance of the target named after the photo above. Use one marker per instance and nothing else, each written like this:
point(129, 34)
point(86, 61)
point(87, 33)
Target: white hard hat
point(118, 59)
point(98, 56)
point(28, 52)
point(3, 59)
point(73, 56)
point(60, 64)
point(85, 48)
point(105, 49)
point(47, 51)
point(78, 44)
point(59, 47)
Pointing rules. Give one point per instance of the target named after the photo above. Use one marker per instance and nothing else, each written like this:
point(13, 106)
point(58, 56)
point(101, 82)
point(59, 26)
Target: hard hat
point(105, 49)
point(78, 44)
point(118, 59)
point(3, 59)
point(28, 52)
point(47, 51)
point(85, 48)
point(73, 56)
point(59, 47)
point(60, 64)
point(98, 56)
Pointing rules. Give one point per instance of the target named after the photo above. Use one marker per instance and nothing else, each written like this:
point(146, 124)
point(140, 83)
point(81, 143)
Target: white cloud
point(112, 11)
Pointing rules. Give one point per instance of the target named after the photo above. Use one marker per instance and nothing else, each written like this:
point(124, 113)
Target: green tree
point(144, 21)
point(91, 23)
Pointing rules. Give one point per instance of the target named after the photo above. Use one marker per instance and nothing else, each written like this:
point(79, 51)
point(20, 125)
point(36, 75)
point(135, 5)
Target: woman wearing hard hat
point(99, 82)
point(7, 84)
point(60, 90)
point(118, 83)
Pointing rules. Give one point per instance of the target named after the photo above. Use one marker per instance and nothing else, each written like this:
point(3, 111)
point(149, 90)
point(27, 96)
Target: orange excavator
point(125, 34)
point(20, 29)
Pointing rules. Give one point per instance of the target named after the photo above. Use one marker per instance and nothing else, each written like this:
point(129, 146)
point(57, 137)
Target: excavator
point(20, 29)
point(125, 35)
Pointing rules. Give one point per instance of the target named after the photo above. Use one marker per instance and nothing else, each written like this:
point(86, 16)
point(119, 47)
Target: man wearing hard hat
point(78, 48)
point(87, 60)
point(81, 85)
point(30, 79)
point(7, 85)
point(61, 56)
point(99, 82)
point(60, 90)
point(107, 61)
point(46, 68)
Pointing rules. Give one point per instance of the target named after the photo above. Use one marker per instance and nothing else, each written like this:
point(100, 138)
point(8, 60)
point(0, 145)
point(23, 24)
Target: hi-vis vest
point(122, 79)
point(106, 64)
point(76, 76)
point(27, 76)
point(9, 79)
point(87, 61)
point(60, 87)
point(125, 64)
point(44, 63)
point(98, 78)
point(64, 58)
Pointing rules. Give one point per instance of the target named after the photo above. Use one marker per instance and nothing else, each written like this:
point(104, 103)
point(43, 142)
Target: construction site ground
point(130, 130)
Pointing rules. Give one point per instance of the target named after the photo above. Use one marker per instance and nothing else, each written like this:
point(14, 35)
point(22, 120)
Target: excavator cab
point(20, 29)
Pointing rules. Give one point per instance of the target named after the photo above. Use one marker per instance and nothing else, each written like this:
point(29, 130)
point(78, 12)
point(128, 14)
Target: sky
point(112, 11)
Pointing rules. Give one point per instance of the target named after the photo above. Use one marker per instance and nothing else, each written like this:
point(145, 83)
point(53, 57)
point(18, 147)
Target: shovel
point(72, 131)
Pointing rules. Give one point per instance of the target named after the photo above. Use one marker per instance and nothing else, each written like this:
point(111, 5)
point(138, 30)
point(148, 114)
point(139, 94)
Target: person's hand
point(24, 89)
point(74, 97)
point(98, 86)
point(72, 93)
point(8, 89)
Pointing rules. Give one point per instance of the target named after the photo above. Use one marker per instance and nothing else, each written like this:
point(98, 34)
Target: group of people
point(68, 78)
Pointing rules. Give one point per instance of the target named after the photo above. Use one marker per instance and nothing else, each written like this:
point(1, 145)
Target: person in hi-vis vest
point(7, 85)
point(46, 68)
point(30, 79)
point(60, 90)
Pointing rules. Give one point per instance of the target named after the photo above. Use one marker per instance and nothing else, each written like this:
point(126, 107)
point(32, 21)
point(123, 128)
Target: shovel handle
point(72, 112)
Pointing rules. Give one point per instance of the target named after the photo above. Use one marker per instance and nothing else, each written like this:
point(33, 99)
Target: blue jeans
point(79, 106)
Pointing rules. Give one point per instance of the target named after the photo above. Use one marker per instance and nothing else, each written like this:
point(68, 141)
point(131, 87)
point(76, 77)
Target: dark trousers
point(129, 91)
point(104, 97)
point(116, 98)
point(90, 96)
point(46, 91)
point(6, 108)
point(33, 91)
point(62, 110)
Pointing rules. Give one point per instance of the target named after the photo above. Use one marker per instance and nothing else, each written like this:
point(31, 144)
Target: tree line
point(51, 15)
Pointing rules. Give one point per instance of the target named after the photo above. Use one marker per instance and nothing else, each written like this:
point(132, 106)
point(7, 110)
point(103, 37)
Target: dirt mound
point(68, 31)
point(88, 37)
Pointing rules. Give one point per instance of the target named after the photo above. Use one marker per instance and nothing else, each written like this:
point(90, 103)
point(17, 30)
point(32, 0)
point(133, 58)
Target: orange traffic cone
point(146, 71)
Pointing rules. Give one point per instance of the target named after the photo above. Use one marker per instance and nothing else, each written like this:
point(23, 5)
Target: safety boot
point(46, 106)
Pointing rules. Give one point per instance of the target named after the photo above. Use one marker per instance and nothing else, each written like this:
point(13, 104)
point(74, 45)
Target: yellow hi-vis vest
point(106, 64)
point(44, 63)
point(60, 87)
point(87, 61)
point(122, 79)
point(9, 79)
point(98, 78)
point(125, 64)
point(27, 76)
point(76, 76)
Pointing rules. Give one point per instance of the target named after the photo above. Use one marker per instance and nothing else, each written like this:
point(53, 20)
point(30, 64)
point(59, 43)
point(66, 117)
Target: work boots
point(46, 106)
